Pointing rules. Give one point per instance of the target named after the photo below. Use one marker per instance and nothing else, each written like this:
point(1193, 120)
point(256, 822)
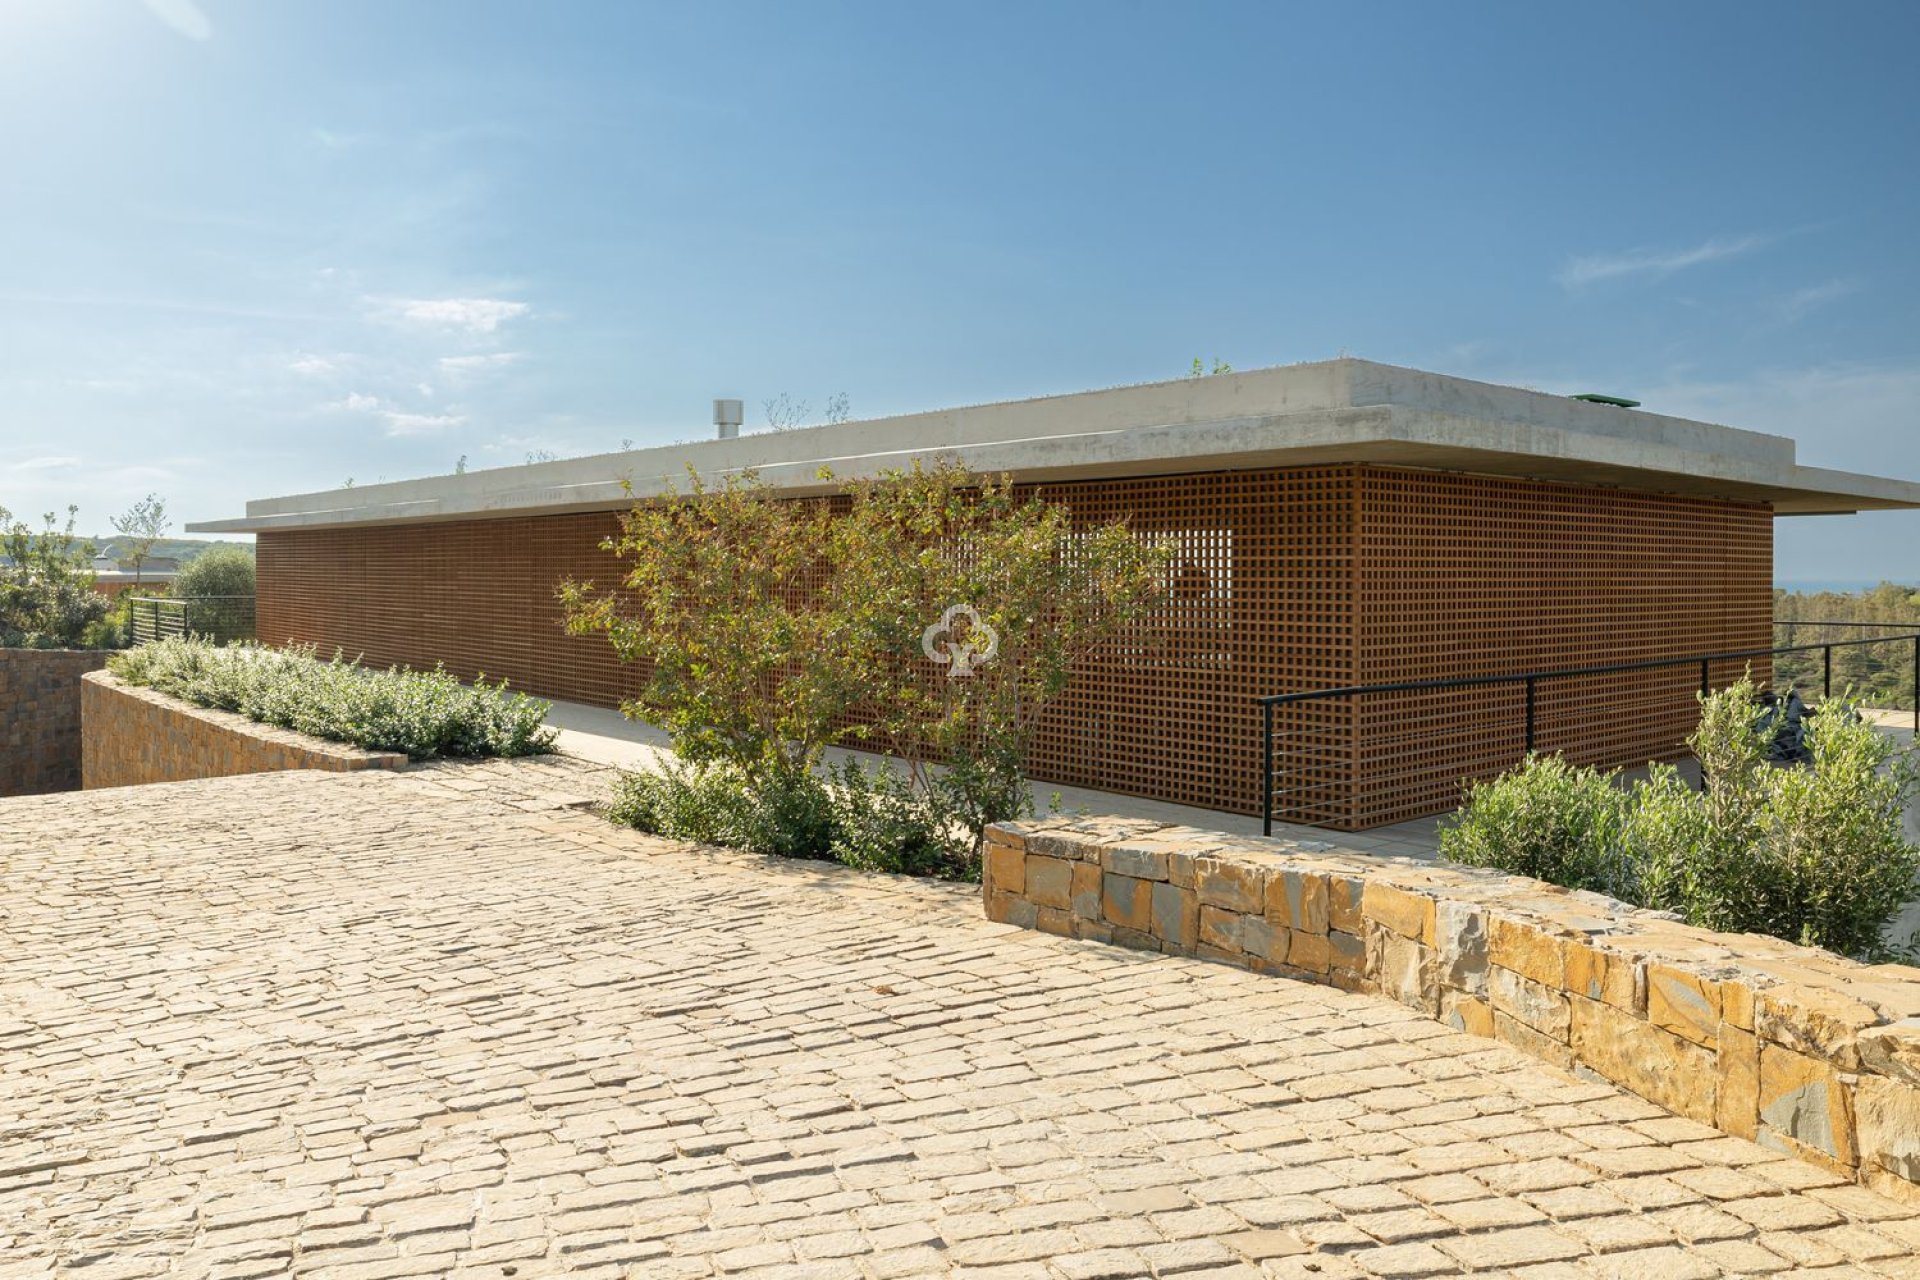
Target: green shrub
point(884, 823)
point(422, 713)
point(1547, 819)
point(217, 587)
point(217, 571)
point(47, 600)
point(874, 819)
point(1816, 855)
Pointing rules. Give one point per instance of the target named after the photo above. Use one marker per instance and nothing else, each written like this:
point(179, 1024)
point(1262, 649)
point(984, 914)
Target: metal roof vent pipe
point(726, 418)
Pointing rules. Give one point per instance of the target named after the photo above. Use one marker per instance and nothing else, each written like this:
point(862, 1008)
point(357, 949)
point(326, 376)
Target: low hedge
point(426, 714)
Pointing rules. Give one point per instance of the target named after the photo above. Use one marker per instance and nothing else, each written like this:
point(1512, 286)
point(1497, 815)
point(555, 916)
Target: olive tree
point(142, 525)
point(47, 600)
point(930, 613)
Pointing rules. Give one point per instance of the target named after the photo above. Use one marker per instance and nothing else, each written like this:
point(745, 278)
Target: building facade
point(1335, 524)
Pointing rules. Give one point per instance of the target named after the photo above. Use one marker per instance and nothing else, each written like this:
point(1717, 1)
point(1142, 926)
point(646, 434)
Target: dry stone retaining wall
point(132, 735)
point(40, 718)
point(1802, 1050)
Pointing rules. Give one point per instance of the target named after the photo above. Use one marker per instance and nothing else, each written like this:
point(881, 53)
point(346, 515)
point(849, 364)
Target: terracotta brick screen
point(1286, 580)
point(1466, 576)
point(40, 718)
point(1805, 1051)
point(132, 736)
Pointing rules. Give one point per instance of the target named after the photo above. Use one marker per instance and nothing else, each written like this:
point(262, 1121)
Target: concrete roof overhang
point(1338, 411)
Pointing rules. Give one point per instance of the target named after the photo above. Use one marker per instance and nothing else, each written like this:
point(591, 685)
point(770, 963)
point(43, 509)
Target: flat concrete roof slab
point(1336, 411)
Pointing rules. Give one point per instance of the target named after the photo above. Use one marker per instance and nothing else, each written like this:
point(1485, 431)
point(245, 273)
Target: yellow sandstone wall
point(1802, 1050)
point(130, 735)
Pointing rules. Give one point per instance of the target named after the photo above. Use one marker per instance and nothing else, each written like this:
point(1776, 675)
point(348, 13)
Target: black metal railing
point(1324, 767)
point(222, 619)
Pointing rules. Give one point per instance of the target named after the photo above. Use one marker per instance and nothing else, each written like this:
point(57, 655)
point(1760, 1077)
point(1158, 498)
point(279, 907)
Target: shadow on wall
point(40, 718)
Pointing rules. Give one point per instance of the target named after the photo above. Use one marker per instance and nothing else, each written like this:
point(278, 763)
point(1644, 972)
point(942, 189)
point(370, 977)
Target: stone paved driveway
point(433, 1024)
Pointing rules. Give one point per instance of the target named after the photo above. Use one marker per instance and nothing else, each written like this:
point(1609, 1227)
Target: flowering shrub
point(422, 713)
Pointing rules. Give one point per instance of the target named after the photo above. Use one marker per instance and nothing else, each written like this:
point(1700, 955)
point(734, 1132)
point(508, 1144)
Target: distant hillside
point(181, 549)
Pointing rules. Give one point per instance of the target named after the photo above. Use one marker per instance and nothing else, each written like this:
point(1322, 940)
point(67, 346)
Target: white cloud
point(472, 315)
point(59, 462)
point(1812, 298)
point(419, 424)
point(458, 366)
point(400, 422)
point(1593, 268)
point(313, 366)
point(183, 16)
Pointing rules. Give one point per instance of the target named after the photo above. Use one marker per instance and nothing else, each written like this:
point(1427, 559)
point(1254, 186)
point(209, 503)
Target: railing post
point(1530, 715)
point(1266, 769)
point(1916, 688)
point(1828, 693)
point(1706, 680)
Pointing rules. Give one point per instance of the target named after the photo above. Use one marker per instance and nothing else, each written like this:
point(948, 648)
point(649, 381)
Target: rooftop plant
point(425, 714)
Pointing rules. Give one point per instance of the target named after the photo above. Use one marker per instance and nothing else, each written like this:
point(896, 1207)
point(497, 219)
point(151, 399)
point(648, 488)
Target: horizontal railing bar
point(1475, 682)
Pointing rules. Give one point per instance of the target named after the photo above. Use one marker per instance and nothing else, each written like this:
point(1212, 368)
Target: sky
point(253, 248)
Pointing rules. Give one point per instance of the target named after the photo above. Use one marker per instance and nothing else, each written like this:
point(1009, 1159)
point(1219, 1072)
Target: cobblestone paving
point(439, 1023)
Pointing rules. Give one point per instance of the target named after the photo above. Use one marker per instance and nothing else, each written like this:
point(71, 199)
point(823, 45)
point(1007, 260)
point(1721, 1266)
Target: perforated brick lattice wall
point(477, 595)
point(1285, 580)
point(1464, 575)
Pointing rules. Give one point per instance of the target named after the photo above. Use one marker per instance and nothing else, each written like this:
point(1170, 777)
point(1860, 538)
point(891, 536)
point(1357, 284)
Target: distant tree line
point(1879, 675)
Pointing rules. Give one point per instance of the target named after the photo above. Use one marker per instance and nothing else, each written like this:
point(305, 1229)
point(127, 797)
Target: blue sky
point(256, 248)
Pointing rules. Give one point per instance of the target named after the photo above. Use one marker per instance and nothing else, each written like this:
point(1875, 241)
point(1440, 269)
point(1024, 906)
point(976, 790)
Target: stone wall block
point(1404, 970)
point(1005, 870)
point(1311, 953)
point(1466, 1013)
point(1127, 903)
point(1736, 1002)
point(1886, 1116)
point(1220, 929)
point(1802, 1098)
point(1298, 900)
point(1684, 1003)
point(1175, 916)
point(1511, 1030)
point(1086, 890)
point(1658, 1065)
point(1265, 940)
point(1892, 1050)
point(1234, 886)
point(1541, 1007)
point(1529, 950)
point(1049, 881)
point(1460, 935)
point(1134, 861)
point(1814, 1021)
point(1400, 910)
point(1737, 1101)
point(1343, 904)
point(1603, 975)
